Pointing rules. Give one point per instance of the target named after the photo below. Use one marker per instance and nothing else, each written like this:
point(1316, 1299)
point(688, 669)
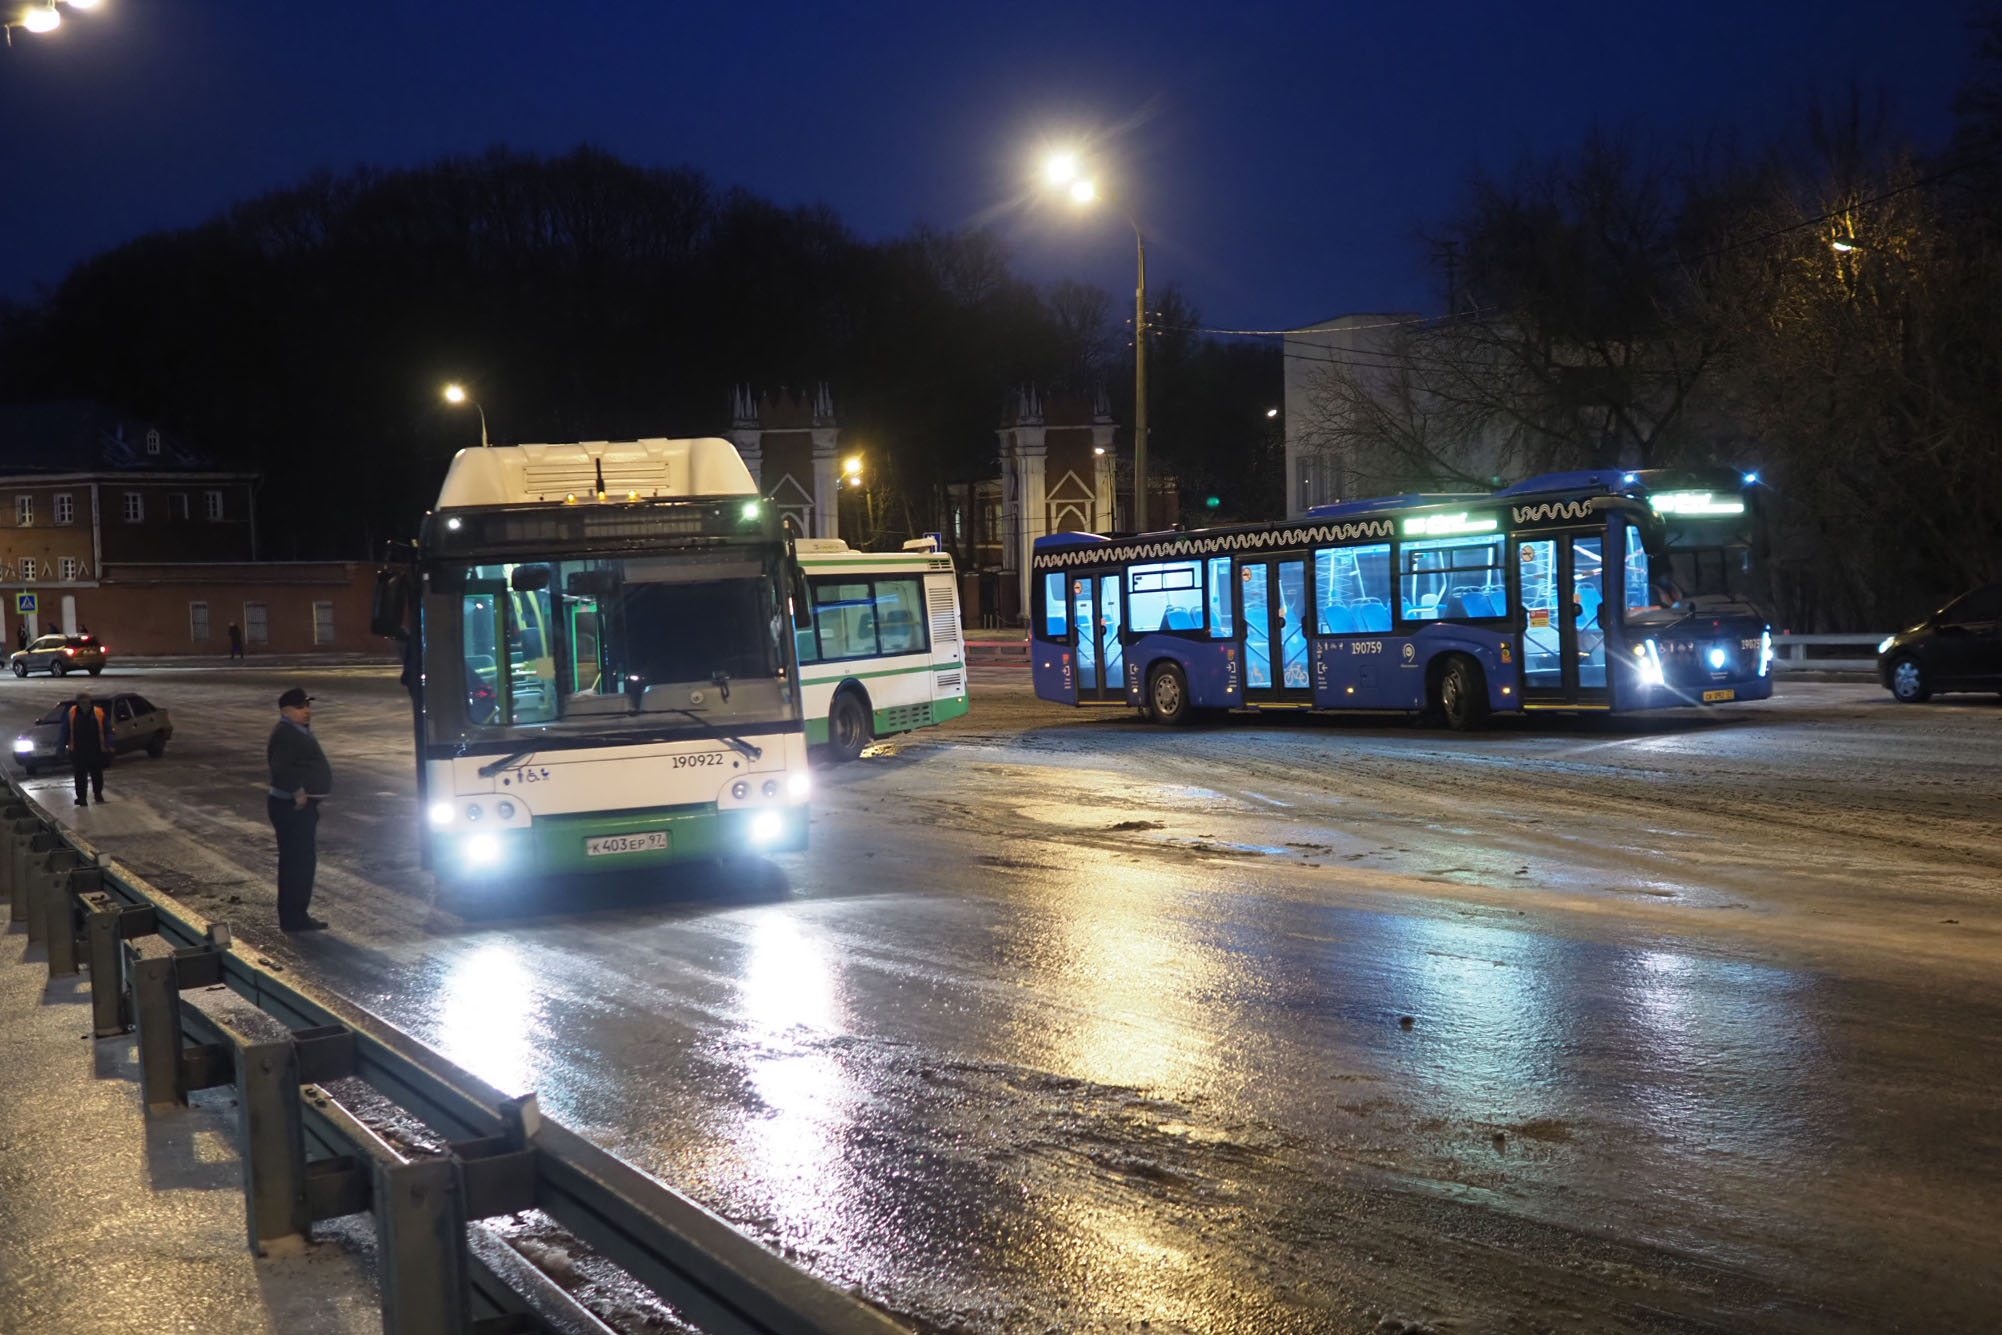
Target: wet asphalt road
point(1071, 1023)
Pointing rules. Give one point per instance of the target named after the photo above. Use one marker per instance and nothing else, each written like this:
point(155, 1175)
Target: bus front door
point(1272, 608)
point(1563, 638)
point(1095, 618)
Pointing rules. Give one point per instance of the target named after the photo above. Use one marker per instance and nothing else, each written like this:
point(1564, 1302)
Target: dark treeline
point(306, 334)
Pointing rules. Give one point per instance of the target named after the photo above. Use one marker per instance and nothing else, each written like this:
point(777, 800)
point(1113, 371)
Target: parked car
point(1958, 648)
point(137, 724)
point(59, 655)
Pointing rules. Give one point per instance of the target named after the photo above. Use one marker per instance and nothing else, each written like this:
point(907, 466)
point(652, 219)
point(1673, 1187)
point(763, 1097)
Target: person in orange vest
point(87, 734)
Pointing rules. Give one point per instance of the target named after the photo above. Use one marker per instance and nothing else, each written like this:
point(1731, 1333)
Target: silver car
point(59, 655)
point(136, 725)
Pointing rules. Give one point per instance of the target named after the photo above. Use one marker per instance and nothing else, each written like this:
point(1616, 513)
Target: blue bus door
point(1563, 586)
point(1095, 622)
point(1272, 610)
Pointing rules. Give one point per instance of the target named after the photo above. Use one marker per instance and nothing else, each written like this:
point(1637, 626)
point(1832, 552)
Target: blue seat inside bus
point(1372, 615)
point(1588, 606)
point(1338, 620)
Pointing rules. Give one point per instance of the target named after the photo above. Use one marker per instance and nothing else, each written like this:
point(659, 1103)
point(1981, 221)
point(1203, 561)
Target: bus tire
point(848, 729)
point(1908, 682)
point(1461, 694)
point(1167, 695)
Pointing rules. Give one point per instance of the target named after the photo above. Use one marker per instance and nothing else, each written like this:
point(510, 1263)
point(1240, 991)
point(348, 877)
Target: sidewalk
point(111, 1221)
point(224, 662)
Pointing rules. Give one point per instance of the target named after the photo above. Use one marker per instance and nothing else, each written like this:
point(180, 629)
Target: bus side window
point(479, 615)
point(1056, 623)
point(1223, 622)
point(900, 626)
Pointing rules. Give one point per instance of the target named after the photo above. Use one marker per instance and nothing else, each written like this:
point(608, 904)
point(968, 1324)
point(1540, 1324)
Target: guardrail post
point(13, 811)
point(274, 1145)
point(65, 873)
point(19, 832)
point(29, 868)
point(420, 1227)
point(156, 1011)
point(107, 993)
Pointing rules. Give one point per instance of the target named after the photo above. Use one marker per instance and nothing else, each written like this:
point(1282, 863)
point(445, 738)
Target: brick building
point(107, 523)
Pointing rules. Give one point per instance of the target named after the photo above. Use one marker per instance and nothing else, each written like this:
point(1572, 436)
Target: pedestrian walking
point(87, 734)
point(235, 640)
point(20, 635)
point(300, 778)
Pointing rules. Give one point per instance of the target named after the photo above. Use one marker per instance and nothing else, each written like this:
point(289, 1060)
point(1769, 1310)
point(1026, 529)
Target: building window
point(179, 503)
point(135, 507)
point(65, 509)
point(152, 441)
point(323, 623)
point(69, 564)
point(215, 504)
point(24, 510)
point(27, 568)
point(256, 624)
point(198, 621)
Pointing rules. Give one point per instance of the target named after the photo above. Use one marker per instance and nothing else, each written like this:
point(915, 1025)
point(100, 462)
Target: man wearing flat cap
point(300, 778)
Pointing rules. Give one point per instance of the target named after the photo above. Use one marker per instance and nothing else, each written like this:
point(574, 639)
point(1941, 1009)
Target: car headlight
point(440, 814)
point(1884, 645)
point(23, 745)
point(766, 827)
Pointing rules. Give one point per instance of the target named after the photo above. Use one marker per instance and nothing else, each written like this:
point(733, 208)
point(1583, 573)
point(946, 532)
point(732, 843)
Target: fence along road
point(308, 1155)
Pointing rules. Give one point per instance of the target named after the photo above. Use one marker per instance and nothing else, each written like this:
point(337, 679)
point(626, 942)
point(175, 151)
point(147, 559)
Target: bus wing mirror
point(389, 610)
point(802, 613)
point(530, 579)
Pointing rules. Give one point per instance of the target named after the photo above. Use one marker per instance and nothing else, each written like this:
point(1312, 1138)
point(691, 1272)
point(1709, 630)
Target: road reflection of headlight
point(766, 827)
point(441, 814)
point(799, 785)
point(482, 850)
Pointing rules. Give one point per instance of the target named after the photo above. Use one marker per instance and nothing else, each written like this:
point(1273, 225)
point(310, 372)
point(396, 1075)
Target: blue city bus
point(1557, 594)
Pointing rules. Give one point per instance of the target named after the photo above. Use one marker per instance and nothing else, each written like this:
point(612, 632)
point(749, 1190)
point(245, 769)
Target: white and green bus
point(597, 641)
point(882, 652)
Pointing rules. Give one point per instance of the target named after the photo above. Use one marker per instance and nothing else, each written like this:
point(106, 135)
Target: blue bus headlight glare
point(766, 827)
point(1718, 658)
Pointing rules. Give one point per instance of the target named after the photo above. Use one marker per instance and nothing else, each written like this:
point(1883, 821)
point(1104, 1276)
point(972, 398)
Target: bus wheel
point(1168, 695)
point(847, 727)
point(1462, 695)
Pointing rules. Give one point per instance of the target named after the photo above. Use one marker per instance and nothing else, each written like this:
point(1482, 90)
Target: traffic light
point(1212, 502)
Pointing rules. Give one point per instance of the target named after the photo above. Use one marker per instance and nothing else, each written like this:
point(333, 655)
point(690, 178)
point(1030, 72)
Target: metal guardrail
point(992, 653)
point(1793, 653)
point(154, 965)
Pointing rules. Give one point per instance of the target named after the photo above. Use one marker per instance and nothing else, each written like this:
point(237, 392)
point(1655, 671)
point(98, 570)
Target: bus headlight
point(440, 814)
point(1718, 658)
point(766, 827)
point(740, 790)
point(1766, 651)
point(799, 785)
point(482, 850)
point(1651, 673)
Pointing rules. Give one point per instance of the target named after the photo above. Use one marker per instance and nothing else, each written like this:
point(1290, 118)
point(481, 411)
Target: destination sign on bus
point(1437, 525)
point(1696, 503)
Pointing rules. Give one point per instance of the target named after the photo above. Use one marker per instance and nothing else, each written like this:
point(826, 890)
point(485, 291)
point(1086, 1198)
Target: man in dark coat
point(87, 734)
point(235, 640)
point(300, 778)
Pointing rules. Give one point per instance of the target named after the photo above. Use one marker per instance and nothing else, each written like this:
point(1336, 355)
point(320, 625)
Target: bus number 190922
point(700, 758)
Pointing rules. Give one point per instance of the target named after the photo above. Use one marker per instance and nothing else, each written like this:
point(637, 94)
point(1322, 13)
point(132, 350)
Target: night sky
point(1281, 156)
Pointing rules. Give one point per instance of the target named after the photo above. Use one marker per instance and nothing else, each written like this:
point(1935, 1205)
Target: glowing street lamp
point(42, 20)
point(456, 394)
point(1064, 169)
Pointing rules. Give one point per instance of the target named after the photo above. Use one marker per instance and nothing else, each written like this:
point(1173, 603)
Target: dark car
point(1958, 648)
point(136, 725)
point(59, 655)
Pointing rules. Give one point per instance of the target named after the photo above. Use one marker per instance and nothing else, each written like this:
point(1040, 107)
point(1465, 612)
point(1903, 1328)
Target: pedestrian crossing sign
point(24, 603)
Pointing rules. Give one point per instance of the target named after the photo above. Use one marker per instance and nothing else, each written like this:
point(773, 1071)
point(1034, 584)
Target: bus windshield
point(586, 642)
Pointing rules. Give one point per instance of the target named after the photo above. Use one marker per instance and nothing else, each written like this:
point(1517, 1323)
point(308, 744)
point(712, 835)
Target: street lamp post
point(1062, 170)
point(457, 394)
